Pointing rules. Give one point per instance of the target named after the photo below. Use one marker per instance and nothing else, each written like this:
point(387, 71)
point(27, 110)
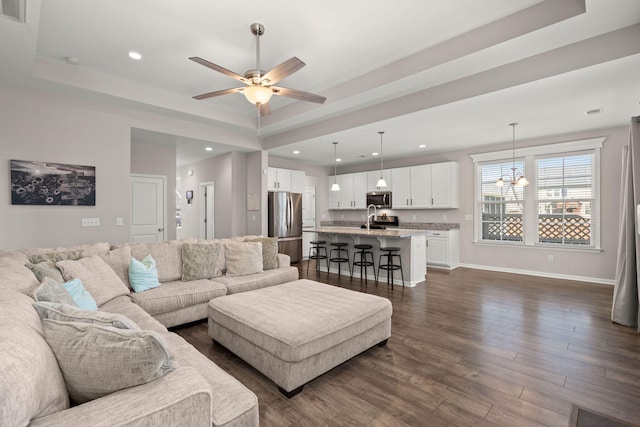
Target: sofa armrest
point(284, 260)
point(182, 397)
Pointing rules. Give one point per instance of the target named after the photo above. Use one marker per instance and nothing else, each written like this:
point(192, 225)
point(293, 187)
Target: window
point(558, 208)
point(502, 207)
point(565, 199)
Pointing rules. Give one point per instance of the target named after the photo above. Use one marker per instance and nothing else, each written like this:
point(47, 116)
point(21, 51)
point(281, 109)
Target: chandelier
point(335, 186)
point(516, 180)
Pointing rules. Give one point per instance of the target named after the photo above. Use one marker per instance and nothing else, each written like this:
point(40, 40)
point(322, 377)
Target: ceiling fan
point(260, 87)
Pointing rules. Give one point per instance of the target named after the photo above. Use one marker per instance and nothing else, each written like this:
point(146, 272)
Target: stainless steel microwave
point(379, 199)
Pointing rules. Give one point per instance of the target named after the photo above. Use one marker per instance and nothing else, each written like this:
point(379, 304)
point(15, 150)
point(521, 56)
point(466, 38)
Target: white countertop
point(357, 231)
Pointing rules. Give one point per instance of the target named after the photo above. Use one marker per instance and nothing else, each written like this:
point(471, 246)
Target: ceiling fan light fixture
point(257, 94)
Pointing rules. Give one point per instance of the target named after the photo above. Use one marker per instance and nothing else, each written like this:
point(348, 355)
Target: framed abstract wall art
point(43, 183)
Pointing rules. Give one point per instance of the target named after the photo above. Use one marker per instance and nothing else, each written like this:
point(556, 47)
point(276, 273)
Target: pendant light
point(335, 186)
point(381, 182)
point(520, 181)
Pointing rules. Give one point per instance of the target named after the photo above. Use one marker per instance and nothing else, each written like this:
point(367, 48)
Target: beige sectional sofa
point(196, 392)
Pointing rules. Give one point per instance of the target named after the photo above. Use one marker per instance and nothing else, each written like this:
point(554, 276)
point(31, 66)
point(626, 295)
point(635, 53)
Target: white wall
point(587, 266)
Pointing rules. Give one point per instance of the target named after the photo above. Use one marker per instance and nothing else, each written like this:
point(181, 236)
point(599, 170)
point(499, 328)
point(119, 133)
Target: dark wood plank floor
point(468, 347)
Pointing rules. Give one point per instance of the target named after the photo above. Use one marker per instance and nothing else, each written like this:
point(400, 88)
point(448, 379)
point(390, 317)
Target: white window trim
point(529, 154)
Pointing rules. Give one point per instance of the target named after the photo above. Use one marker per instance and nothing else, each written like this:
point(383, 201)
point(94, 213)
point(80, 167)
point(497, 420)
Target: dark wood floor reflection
point(468, 347)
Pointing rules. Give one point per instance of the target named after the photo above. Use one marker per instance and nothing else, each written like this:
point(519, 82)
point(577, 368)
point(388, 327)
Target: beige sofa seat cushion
point(31, 384)
point(97, 277)
point(170, 296)
point(232, 403)
point(236, 284)
point(271, 317)
point(123, 305)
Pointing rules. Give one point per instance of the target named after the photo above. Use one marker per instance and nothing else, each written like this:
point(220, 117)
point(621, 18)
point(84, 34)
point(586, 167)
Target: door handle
point(160, 229)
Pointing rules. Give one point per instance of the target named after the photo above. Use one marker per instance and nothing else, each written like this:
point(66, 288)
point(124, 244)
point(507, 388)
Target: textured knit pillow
point(69, 313)
point(99, 360)
point(46, 269)
point(199, 261)
point(269, 251)
point(100, 280)
point(52, 291)
point(143, 275)
point(119, 259)
point(56, 256)
point(244, 258)
point(80, 295)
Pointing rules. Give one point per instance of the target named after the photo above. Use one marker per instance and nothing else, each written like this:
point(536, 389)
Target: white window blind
point(502, 208)
point(565, 199)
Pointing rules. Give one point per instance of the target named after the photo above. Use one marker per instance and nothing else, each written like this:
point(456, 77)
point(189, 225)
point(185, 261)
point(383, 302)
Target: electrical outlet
point(119, 221)
point(91, 222)
point(549, 258)
point(444, 217)
point(413, 217)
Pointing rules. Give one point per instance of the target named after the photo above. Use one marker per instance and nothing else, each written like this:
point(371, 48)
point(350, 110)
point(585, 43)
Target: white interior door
point(148, 208)
point(206, 210)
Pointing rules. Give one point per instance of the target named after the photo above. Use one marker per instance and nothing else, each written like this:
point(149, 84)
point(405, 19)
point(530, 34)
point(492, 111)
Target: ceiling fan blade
point(283, 70)
point(218, 93)
point(298, 94)
point(220, 69)
point(265, 110)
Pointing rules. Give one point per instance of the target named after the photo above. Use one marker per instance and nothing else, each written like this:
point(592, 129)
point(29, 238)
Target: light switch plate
point(91, 222)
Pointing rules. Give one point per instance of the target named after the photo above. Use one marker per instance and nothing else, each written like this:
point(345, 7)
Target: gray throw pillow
point(199, 261)
point(69, 313)
point(56, 256)
point(52, 291)
point(46, 269)
point(99, 360)
point(269, 251)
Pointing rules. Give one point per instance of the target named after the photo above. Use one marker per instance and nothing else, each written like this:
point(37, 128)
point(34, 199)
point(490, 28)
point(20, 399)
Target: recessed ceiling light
point(374, 154)
point(296, 152)
point(422, 145)
point(209, 149)
point(135, 55)
point(338, 160)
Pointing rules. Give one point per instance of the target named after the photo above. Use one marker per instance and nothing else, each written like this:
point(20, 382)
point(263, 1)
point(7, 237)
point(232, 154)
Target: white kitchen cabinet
point(374, 176)
point(353, 187)
point(279, 179)
point(410, 189)
point(297, 181)
point(443, 248)
point(443, 185)
point(334, 196)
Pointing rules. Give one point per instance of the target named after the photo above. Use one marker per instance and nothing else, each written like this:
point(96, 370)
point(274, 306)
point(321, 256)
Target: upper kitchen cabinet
point(444, 185)
point(297, 181)
point(279, 179)
point(353, 188)
point(374, 176)
point(410, 190)
point(334, 196)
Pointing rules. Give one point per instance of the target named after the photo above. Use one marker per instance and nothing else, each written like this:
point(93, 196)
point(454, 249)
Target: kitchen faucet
point(374, 214)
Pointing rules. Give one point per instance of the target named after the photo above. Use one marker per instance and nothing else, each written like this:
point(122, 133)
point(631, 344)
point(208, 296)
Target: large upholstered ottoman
point(296, 331)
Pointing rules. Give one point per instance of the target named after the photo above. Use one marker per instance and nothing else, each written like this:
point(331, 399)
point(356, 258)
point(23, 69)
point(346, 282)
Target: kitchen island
point(412, 244)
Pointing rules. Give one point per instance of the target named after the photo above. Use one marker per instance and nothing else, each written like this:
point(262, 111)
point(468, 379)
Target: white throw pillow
point(244, 258)
point(99, 360)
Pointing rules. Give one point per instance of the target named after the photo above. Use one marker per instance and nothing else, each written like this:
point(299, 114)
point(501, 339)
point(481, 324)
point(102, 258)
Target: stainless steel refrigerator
point(285, 222)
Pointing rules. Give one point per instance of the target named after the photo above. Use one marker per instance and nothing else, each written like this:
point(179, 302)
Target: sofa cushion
point(31, 384)
point(221, 263)
point(199, 261)
point(52, 291)
point(171, 296)
point(269, 251)
point(17, 277)
point(118, 260)
point(69, 313)
point(45, 269)
point(14, 256)
point(123, 305)
point(244, 258)
point(98, 360)
point(86, 250)
point(235, 284)
point(98, 278)
point(56, 256)
point(143, 275)
point(168, 256)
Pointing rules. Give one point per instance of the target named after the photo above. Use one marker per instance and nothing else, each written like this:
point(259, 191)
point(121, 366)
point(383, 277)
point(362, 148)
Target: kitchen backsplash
point(405, 225)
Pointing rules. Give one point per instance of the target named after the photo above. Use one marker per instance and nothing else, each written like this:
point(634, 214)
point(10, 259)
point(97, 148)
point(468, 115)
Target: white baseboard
point(598, 280)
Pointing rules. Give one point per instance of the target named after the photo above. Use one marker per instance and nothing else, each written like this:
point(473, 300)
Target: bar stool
point(390, 252)
point(339, 249)
point(315, 248)
point(363, 251)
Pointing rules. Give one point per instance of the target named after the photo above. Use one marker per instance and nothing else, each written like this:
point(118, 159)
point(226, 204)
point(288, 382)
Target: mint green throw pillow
point(80, 295)
point(143, 275)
